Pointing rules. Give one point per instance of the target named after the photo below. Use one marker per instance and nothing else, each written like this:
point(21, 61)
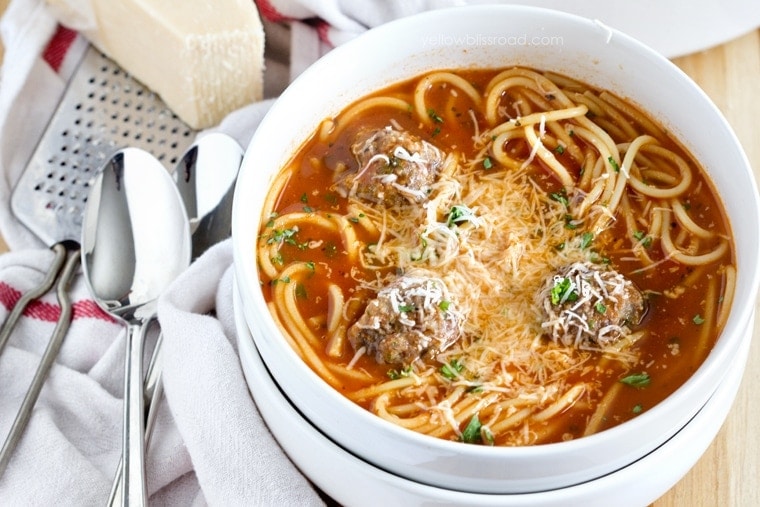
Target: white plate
point(674, 28)
point(350, 481)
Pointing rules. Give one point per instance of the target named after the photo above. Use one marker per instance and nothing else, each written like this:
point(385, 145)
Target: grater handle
point(54, 345)
point(32, 294)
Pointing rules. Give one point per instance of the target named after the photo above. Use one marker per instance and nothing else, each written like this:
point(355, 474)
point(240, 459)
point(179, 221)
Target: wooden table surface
point(728, 474)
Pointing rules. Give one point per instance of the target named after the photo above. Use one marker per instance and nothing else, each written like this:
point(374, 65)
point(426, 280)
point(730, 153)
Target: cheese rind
point(205, 58)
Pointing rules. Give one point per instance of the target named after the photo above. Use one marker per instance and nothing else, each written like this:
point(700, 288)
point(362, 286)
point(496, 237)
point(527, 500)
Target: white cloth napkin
point(210, 445)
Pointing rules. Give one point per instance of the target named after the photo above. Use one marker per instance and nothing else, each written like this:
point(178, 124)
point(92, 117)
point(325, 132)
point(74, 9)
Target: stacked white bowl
point(375, 453)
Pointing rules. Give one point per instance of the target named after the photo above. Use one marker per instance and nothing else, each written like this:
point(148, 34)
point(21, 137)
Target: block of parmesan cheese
point(205, 58)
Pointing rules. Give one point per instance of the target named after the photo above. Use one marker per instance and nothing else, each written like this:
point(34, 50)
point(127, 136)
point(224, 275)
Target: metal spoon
point(205, 177)
point(135, 241)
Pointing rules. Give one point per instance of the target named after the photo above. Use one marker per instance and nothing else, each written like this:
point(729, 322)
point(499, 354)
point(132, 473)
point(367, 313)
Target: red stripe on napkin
point(323, 31)
point(43, 311)
point(48, 312)
point(270, 12)
point(8, 295)
point(89, 309)
point(58, 46)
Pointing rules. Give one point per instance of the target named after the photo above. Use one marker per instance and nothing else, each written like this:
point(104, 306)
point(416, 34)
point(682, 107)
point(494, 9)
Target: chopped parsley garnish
point(559, 150)
point(471, 433)
point(301, 291)
point(460, 213)
point(434, 116)
point(487, 164)
point(452, 368)
point(397, 374)
point(288, 237)
point(586, 240)
point(637, 409)
point(641, 237)
point(560, 197)
point(444, 305)
point(570, 222)
point(475, 433)
point(600, 308)
point(406, 308)
point(698, 320)
point(614, 164)
point(304, 198)
point(562, 291)
point(637, 380)
point(283, 236)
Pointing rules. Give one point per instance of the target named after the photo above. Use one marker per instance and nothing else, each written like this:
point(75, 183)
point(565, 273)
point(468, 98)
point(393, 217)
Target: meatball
point(587, 304)
point(395, 168)
point(411, 318)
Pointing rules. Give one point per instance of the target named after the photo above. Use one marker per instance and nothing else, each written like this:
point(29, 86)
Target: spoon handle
point(153, 389)
point(135, 491)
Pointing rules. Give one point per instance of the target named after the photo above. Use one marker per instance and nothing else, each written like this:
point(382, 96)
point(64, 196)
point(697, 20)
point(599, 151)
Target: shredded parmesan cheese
point(494, 270)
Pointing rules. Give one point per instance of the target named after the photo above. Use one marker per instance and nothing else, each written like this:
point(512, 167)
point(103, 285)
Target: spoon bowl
point(205, 178)
point(135, 242)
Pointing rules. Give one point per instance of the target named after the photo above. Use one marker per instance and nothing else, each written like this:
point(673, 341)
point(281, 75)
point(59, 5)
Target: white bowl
point(492, 36)
point(351, 481)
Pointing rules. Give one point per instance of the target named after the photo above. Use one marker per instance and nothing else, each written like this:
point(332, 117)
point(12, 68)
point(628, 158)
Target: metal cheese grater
point(102, 110)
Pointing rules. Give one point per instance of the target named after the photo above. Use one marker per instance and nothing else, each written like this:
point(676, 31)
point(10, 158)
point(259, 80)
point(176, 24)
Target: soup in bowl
point(495, 249)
